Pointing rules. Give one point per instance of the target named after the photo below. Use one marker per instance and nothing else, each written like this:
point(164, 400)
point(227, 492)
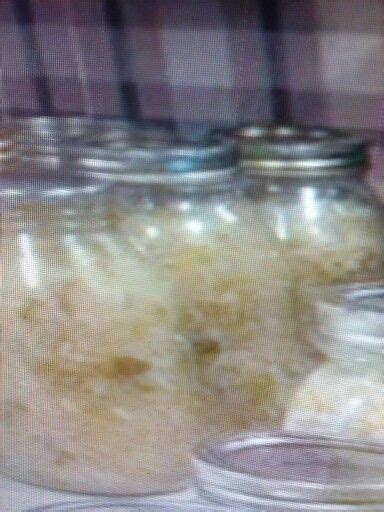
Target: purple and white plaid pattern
point(222, 61)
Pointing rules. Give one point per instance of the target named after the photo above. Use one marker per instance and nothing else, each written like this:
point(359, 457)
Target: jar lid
point(19, 189)
point(351, 316)
point(290, 151)
point(127, 506)
point(283, 472)
point(153, 156)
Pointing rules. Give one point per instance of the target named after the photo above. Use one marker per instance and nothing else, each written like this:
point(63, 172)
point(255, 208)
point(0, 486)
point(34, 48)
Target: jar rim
point(297, 151)
point(294, 472)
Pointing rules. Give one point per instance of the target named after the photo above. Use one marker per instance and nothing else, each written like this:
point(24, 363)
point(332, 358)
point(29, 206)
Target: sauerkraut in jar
point(309, 192)
point(96, 387)
point(179, 205)
point(345, 396)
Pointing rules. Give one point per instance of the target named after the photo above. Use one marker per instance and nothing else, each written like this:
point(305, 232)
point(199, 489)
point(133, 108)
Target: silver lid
point(300, 152)
point(282, 472)
point(350, 317)
point(19, 189)
point(161, 158)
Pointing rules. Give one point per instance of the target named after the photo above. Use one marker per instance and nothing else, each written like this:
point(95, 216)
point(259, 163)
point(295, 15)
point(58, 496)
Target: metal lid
point(350, 317)
point(19, 189)
point(282, 472)
point(300, 152)
point(127, 506)
point(161, 157)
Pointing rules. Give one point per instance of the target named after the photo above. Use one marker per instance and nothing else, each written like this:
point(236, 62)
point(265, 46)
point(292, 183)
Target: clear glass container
point(345, 396)
point(309, 191)
point(120, 506)
point(96, 382)
point(285, 472)
point(178, 204)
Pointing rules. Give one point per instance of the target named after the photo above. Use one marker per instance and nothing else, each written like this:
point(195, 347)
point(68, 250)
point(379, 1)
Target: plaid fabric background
point(223, 61)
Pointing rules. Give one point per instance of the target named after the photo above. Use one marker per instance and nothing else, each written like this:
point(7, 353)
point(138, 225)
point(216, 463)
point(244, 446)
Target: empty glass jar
point(94, 376)
point(345, 396)
point(283, 472)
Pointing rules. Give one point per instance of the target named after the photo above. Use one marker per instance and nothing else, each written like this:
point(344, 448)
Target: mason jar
point(281, 472)
point(94, 375)
point(309, 191)
point(345, 396)
point(178, 203)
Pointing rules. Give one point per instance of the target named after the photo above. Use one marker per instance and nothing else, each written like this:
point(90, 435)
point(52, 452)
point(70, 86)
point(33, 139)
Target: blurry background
point(222, 61)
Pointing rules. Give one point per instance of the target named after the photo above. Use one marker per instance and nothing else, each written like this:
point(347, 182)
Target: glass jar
point(345, 396)
point(283, 472)
point(94, 375)
point(177, 202)
point(309, 192)
point(239, 257)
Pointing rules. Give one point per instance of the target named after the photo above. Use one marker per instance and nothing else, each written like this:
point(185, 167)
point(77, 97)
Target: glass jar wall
point(239, 254)
point(179, 205)
point(286, 472)
point(345, 396)
point(95, 378)
point(380, 189)
point(308, 189)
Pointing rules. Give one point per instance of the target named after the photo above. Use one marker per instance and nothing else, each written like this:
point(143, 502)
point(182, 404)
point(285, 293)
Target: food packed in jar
point(240, 250)
point(95, 377)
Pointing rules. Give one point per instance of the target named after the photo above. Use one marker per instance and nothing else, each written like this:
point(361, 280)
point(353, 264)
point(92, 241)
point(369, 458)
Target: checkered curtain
point(222, 61)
